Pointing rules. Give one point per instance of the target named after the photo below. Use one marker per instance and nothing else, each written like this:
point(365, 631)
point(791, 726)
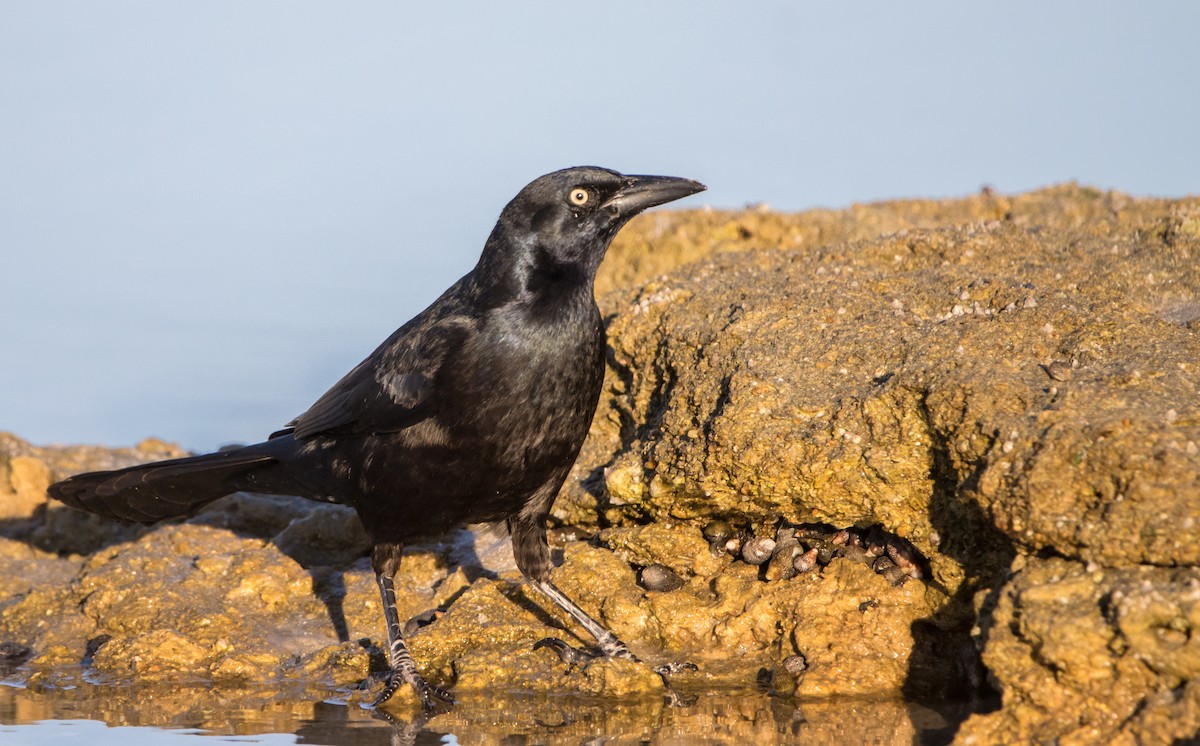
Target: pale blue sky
point(210, 210)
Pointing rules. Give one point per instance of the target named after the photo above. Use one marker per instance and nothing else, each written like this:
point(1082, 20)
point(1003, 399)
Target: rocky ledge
point(933, 449)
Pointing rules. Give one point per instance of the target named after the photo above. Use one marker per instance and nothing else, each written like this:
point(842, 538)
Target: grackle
point(473, 411)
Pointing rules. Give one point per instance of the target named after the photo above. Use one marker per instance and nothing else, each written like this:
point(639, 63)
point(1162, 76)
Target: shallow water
point(169, 714)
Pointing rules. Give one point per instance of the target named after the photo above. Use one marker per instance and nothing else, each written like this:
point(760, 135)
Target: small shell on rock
point(659, 578)
point(845, 538)
point(733, 545)
point(805, 562)
point(826, 553)
point(717, 531)
point(424, 619)
point(882, 563)
point(758, 549)
point(855, 553)
point(721, 538)
point(875, 542)
point(905, 556)
point(889, 570)
point(780, 566)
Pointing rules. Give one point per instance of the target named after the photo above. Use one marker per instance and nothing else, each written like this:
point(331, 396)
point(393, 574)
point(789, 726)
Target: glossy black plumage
point(473, 411)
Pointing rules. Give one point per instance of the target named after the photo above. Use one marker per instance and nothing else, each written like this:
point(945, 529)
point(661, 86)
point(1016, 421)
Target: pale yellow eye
point(579, 196)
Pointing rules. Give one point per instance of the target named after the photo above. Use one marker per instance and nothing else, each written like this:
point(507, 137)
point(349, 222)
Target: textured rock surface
point(1093, 655)
point(1022, 385)
point(1006, 388)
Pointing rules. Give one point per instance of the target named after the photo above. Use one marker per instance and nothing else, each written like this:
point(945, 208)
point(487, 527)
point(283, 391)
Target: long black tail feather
point(153, 492)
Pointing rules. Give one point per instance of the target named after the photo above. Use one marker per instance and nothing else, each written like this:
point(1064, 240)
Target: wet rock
point(1113, 653)
point(343, 664)
point(680, 548)
point(157, 654)
point(424, 619)
point(986, 386)
point(243, 712)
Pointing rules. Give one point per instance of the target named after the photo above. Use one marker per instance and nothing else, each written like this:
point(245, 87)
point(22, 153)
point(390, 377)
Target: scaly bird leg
point(610, 645)
point(385, 560)
point(533, 558)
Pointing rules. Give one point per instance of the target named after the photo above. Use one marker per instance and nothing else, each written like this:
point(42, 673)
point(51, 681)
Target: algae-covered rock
point(27, 470)
point(1022, 383)
point(1093, 655)
point(885, 381)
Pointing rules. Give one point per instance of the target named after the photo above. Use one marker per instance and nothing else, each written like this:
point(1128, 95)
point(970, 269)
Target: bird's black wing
point(394, 388)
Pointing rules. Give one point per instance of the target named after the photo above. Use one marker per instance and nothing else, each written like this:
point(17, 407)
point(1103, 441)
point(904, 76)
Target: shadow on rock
point(945, 667)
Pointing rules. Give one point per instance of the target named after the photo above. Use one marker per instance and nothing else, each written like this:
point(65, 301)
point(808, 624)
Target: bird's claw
point(675, 667)
point(432, 697)
point(570, 655)
point(574, 656)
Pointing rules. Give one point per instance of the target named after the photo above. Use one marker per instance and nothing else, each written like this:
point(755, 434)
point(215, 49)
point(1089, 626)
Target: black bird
point(473, 411)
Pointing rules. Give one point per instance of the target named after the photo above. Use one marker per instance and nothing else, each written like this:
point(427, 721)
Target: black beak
point(643, 192)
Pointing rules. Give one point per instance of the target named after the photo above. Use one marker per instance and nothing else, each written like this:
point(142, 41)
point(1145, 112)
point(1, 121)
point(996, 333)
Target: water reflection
point(480, 718)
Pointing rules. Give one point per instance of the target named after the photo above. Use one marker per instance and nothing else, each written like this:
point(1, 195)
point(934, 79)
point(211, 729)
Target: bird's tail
point(164, 489)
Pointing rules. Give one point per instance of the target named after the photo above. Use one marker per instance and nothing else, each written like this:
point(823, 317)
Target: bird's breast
point(530, 390)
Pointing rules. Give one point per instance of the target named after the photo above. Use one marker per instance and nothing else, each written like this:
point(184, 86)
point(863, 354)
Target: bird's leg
point(532, 554)
point(385, 561)
point(610, 645)
point(533, 559)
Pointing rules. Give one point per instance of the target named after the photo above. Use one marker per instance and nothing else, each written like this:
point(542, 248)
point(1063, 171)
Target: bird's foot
point(574, 656)
point(675, 667)
point(570, 654)
point(432, 697)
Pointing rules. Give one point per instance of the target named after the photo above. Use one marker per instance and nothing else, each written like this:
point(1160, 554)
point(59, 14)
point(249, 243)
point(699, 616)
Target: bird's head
point(560, 225)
